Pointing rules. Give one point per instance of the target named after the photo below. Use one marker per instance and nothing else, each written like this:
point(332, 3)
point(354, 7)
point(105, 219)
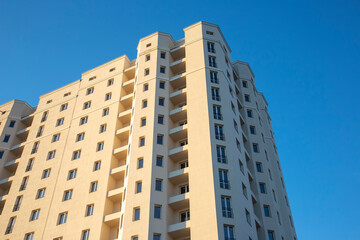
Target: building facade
point(176, 144)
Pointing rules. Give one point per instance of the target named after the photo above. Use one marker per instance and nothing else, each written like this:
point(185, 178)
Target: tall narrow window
point(160, 139)
point(76, 154)
point(267, 210)
point(212, 61)
point(161, 101)
point(262, 187)
point(10, 225)
point(29, 165)
point(159, 161)
point(40, 131)
point(158, 184)
point(17, 203)
point(142, 142)
point(138, 187)
point(271, 235)
point(102, 128)
point(248, 219)
point(226, 207)
point(229, 232)
point(219, 132)
point(93, 186)
point(12, 124)
point(214, 77)
point(83, 120)
point(105, 112)
point(89, 210)
point(259, 167)
point(185, 216)
point(136, 214)
point(35, 147)
point(6, 138)
point(220, 152)
point(24, 183)
point(97, 165)
point(255, 147)
point(224, 180)
point(252, 129)
point(100, 146)
point(215, 94)
point(44, 116)
point(160, 119)
point(217, 112)
point(62, 218)
point(108, 96)
point(157, 211)
point(211, 47)
point(85, 235)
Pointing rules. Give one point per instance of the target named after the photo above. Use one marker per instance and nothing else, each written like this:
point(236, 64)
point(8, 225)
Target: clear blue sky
point(305, 56)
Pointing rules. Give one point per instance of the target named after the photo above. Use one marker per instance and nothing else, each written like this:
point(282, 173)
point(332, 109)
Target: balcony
point(178, 97)
point(120, 152)
point(179, 153)
point(118, 173)
point(179, 176)
point(178, 52)
point(178, 81)
point(178, 114)
point(125, 116)
point(128, 86)
point(5, 183)
point(112, 219)
point(23, 134)
point(179, 230)
point(123, 133)
point(126, 100)
point(17, 149)
point(27, 121)
point(180, 201)
point(129, 73)
point(11, 165)
point(178, 133)
point(115, 195)
point(178, 66)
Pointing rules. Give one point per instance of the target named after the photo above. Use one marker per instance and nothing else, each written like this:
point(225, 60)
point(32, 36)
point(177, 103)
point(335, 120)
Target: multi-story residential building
point(176, 144)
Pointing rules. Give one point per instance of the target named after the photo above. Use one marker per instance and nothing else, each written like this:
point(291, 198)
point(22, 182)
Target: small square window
point(163, 55)
point(110, 82)
point(83, 120)
point(89, 210)
point(148, 45)
point(76, 154)
point(143, 122)
point(247, 98)
point(138, 187)
point(249, 113)
point(112, 69)
point(144, 103)
point(160, 139)
point(147, 57)
point(142, 142)
point(67, 195)
point(252, 129)
point(157, 211)
point(136, 214)
point(93, 186)
point(106, 111)
point(6, 138)
point(87, 105)
point(140, 163)
point(158, 184)
point(97, 165)
point(103, 128)
point(146, 87)
point(161, 101)
point(147, 71)
point(162, 84)
point(160, 119)
point(244, 84)
point(89, 91)
point(12, 124)
point(100, 146)
point(72, 174)
point(108, 96)
point(85, 234)
point(162, 69)
point(159, 161)
point(62, 218)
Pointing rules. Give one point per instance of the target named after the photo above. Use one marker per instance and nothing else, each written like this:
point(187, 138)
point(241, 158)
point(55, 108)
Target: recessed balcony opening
point(178, 82)
point(178, 67)
point(177, 53)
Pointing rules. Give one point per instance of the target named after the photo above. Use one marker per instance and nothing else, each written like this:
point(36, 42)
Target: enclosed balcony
point(178, 153)
point(179, 230)
point(178, 114)
point(179, 176)
point(180, 201)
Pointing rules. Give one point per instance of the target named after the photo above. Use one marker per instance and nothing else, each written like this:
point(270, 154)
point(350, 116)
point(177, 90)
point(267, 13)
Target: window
point(110, 81)
point(142, 142)
point(46, 173)
point(160, 139)
point(183, 142)
point(262, 187)
point(40, 131)
point(87, 105)
point(241, 166)
point(214, 77)
point(143, 122)
point(147, 71)
point(184, 164)
point(229, 232)
point(159, 161)
point(259, 167)
point(162, 84)
point(215, 94)
point(72, 174)
point(156, 236)
point(212, 61)
point(44, 116)
point(244, 191)
point(63, 107)
point(267, 210)
point(67, 94)
point(158, 184)
point(83, 120)
point(144, 103)
point(278, 216)
point(220, 152)
point(247, 98)
point(51, 154)
point(89, 91)
point(248, 219)
point(148, 45)
point(233, 107)
point(140, 163)
point(236, 126)
point(6, 138)
point(271, 235)
point(252, 129)
point(226, 207)
point(255, 147)
point(34, 215)
point(106, 111)
point(92, 78)
point(97, 165)
point(223, 178)
point(157, 211)
point(56, 137)
point(162, 69)
point(29, 236)
point(184, 189)
point(12, 124)
point(163, 55)
point(209, 33)
point(100, 146)
point(10, 225)
point(249, 113)
point(102, 128)
point(17, 203)
point(244, 84)
point(185, 216)
point(93, 186)
point(67, 195)
point(219, 132)
point(217, 112)
point(76, 154)
point(136, 214)
point(138, 187)
point(29, 165)
point(108, 96)
point(35, 147)
point(160, 119)
point(1, 154)
point(62, 218)
point(146, 87)
point(85, 234)
point(60, 122)
point(161, 101)
point(80, 137)
point(134, 238)
point(40, 193)
point(211, 47)
point(147, 57)
point(89, 210)
point(274, 195)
